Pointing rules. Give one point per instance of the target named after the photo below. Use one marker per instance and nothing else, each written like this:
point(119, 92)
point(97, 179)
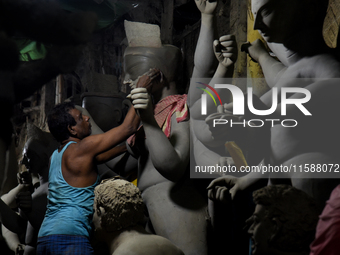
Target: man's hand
point(225, 50)
point(256, 50)
point(224, 188)
point(206, 7)
point(152, 78)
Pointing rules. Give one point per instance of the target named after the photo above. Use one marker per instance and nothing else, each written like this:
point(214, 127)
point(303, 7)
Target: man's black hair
point(59, 119)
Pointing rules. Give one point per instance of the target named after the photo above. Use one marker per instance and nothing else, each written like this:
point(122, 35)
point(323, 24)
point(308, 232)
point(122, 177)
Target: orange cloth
point(163, 111)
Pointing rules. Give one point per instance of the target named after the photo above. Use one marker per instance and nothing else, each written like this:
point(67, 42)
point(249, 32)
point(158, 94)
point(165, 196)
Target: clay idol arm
point(204, 59)
point(173, 157)
point(10, 219)
point(272, 69)
point(12, 239)
point(205, 157)
point(169, 156)
point(225, 50)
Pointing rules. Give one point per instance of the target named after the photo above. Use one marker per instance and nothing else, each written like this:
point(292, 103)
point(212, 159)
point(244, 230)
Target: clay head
point(37, 150)
point(284, 220)
point(278, 20)
point(145, 51)
point(34, 156)
point(118, 204)
point(139, 60)
point(65, 120)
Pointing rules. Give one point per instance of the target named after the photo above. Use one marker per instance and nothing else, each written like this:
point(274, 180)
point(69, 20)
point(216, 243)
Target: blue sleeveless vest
point(69, 209)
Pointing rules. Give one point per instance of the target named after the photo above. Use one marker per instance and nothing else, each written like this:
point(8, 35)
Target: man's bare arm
point(94, 145)
point(110, 154)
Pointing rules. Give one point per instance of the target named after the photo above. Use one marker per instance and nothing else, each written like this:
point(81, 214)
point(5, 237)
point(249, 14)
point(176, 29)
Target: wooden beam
point(254, 70)
point(238, 27)
point(167, 22)
point(59, 89)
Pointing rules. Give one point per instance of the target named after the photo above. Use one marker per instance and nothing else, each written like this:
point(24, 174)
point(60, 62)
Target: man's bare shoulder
point(71, 150)
point(76, 159)
point(82, 147)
